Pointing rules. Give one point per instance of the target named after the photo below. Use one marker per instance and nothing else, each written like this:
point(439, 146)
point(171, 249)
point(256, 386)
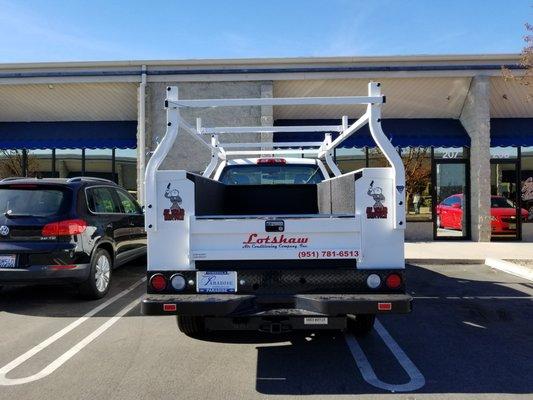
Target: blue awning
point(423, 132)
point(506, 132)
point(68, 134)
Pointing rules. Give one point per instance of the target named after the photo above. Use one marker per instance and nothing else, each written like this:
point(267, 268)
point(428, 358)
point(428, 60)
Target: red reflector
point(271, 161)
point(60, 267)
point(158, 282)
point(393, 281)
point(384, 306)
point(169, 307)
point(64, 228)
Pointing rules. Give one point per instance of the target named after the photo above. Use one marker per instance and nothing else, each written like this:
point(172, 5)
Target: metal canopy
point(506, 132)
point(415, 132)
point(68, 135)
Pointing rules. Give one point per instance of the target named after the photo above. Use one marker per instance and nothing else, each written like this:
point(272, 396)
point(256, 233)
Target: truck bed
point(334, 197)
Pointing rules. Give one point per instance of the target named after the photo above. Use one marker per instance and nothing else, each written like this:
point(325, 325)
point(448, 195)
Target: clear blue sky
point(69, 30)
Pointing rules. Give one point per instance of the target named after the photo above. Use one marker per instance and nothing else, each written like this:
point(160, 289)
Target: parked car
point(67, 230)
point(502, 213)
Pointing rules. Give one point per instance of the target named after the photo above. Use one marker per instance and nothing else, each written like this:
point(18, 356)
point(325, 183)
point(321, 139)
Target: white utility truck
point(271, 243)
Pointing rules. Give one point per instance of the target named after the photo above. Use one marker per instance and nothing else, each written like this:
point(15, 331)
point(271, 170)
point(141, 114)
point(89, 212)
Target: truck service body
point(274, 243)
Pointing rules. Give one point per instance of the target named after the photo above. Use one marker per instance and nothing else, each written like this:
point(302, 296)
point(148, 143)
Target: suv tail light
point(64, 228)
point(271, 161)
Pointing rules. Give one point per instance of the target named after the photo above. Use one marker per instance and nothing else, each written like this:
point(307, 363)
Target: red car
point(502, 214)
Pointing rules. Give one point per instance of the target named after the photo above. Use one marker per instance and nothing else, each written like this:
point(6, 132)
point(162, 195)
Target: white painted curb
point(510, 268)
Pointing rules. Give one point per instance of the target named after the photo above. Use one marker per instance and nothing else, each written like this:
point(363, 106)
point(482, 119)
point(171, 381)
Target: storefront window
point(126, 169)
point(99, 163)
point(69, 163)
point(350, 159)
point(417, 163)
point(449, 153)
point(376, 159)
point(40, 163)
point(526, 180)
point(503, 153)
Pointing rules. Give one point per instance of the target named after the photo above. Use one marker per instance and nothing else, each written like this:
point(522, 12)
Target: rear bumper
point(235, 305)
point(43, 274)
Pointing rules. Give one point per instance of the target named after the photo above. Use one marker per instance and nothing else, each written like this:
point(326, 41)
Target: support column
point(142, 148)
point(475, 118)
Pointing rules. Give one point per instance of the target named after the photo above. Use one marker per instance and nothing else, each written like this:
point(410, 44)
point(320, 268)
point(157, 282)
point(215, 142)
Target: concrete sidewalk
point(467, 252)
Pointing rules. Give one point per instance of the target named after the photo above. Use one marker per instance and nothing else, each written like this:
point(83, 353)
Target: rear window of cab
point(265, 174)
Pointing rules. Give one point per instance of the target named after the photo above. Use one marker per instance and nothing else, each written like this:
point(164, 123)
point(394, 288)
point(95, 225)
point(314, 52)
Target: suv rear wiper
point(9, 214)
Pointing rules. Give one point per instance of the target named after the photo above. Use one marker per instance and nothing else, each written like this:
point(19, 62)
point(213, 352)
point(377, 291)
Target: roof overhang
point(258, 69)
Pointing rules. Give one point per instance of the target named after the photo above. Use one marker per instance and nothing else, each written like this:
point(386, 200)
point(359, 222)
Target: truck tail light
point(64, 228)
point(271, 161)
point(158, 282)
point(393, 281)
point(373, 281)
point(178, 282)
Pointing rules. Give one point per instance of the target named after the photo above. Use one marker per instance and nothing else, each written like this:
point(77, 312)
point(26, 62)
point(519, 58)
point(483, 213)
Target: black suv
point(73, 230)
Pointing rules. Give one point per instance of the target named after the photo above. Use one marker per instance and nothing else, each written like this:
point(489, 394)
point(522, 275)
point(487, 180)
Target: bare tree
point(526, 62)
point(417, 164)
point(11, 163)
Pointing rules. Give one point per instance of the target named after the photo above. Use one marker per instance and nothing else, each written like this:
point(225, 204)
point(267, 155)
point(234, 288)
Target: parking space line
point(472, 297)
point(510, 268)
point(4, 381)
point(416, 381)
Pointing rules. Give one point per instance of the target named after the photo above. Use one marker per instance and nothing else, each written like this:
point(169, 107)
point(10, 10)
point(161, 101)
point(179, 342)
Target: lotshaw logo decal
point(175, 212)
point(378, 210)
point(274, 241)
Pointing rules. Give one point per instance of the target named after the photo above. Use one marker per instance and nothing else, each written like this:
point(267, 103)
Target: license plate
point(512, 226)
point(216, 281)
point(315, 321)
point(8, 261)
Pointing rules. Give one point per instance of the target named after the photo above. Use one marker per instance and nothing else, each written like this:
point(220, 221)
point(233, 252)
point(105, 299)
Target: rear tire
point(361, 324)
point(191, 326)
point(99, 281)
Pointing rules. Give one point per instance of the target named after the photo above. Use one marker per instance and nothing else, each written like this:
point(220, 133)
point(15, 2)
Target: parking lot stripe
point(73, 350)
point(416, 381)
point(510, 268)
point(472, 297)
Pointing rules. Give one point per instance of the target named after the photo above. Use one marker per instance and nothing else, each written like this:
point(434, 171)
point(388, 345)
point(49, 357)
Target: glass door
point(505, 210)
point(451, 213)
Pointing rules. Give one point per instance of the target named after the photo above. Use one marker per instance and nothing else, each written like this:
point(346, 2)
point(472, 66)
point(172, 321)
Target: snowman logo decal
point(378, 210)
point(175, 212)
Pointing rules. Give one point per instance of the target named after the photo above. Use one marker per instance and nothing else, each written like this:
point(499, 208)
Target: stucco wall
point(527, 232)
point(419, 231)
point(187, 153)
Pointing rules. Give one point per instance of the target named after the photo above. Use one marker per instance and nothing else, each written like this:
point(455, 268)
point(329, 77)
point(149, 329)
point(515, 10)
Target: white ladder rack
point(322, 150)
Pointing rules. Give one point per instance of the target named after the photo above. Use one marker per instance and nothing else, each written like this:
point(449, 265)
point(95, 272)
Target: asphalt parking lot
point(469, 336)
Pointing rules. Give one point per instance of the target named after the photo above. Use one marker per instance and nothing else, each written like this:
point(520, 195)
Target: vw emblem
point(4, 230)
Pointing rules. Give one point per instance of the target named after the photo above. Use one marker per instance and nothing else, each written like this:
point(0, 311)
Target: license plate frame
point(8, 261)
point(216, 281)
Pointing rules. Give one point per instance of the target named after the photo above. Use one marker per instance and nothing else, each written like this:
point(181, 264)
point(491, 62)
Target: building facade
point(464, 131)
